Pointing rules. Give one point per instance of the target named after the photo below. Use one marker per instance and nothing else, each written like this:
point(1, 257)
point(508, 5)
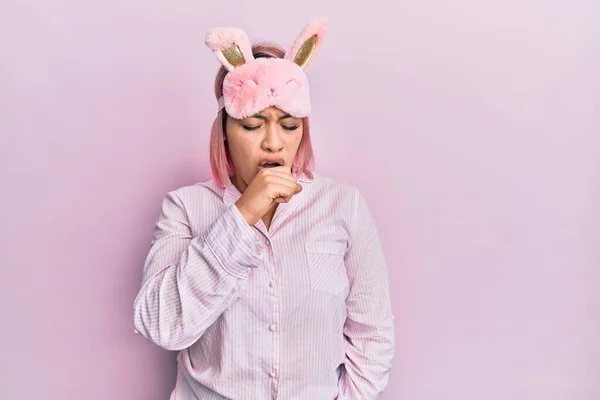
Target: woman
point(269, 279)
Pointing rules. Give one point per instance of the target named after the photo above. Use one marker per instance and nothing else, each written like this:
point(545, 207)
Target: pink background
point(472, 127)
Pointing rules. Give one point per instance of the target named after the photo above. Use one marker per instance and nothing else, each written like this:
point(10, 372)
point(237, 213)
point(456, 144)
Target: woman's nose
point(272, 140)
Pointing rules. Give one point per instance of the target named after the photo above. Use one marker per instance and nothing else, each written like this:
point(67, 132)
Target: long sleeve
point(369, 328)
point(189, 281)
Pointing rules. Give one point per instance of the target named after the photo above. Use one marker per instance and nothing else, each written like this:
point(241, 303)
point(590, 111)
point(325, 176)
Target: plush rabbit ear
point(307, 43)
point(231, 46)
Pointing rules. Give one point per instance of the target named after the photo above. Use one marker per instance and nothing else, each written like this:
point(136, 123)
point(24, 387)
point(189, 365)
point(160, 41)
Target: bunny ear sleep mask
point(251, 85)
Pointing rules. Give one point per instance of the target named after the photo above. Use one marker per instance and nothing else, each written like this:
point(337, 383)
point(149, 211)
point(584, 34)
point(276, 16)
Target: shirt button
point(271, 284)
point(273, 327)
point(273, 374)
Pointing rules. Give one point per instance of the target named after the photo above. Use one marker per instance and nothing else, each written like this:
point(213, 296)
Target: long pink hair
point(221, 163)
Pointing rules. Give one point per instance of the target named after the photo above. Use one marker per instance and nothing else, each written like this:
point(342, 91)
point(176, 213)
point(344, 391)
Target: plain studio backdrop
point(471, 127)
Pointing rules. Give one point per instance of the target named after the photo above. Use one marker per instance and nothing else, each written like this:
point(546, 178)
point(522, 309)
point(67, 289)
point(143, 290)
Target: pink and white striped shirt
point(299, 311)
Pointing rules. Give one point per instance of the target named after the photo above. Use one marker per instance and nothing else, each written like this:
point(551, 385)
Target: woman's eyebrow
point(284, 116)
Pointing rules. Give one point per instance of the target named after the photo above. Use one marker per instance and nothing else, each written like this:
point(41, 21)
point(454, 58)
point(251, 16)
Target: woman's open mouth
point(271, 163)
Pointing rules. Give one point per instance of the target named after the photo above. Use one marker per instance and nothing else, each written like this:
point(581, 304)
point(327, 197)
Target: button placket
point(268, 259)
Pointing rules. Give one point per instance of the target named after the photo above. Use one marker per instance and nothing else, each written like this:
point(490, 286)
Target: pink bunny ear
point(307, 43)
point(231, 46)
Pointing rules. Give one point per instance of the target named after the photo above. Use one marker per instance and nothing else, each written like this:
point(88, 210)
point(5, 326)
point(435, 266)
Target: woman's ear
point(230, 46)
point(307, 43)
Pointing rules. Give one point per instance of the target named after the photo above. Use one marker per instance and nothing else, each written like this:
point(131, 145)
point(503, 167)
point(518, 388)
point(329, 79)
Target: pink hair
point(221, 163)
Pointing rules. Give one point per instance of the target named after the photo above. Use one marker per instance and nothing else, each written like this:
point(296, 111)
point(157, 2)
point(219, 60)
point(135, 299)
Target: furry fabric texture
point(252, 85)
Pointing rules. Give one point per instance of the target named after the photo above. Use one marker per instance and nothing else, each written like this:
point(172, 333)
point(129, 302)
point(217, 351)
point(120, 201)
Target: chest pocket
point(326, 267)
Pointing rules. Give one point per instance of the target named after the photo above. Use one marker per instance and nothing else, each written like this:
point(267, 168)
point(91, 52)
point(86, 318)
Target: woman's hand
point(269, 186)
